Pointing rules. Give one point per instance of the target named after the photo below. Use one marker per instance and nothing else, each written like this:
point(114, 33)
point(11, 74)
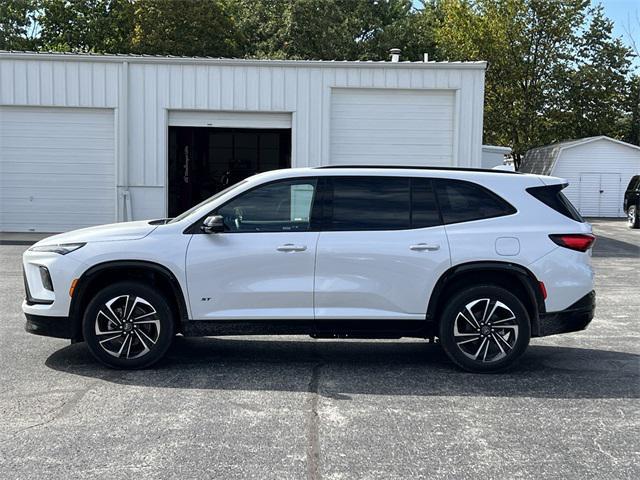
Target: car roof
point(484, 176)
point(417, 167)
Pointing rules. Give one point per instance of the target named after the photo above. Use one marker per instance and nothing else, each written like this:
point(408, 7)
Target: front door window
point(276, 207)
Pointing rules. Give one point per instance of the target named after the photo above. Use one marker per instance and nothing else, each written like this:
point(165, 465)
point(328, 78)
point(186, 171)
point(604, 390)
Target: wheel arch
point(518, 279)
point(102, 274)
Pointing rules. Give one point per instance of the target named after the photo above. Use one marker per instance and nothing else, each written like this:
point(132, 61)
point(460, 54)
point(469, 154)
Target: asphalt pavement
point(294, 408)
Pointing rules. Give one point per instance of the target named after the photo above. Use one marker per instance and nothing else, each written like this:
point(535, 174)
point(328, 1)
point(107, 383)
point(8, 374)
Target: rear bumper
point(58, 327)
point(572, 319)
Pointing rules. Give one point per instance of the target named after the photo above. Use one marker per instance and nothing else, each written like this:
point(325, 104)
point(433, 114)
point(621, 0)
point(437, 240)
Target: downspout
point(123, 145)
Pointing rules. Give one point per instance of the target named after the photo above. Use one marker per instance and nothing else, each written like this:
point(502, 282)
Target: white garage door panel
point(610, 203)
point(409, 112)
point(399, 136)
point(58, 168)
point(370, 126)
point(589, 196)
point(392, 96)
point(600, 195)
point(17, 170)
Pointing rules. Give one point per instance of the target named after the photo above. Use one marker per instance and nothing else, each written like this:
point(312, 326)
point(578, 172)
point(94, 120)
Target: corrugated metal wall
point(589, 168)
point(157, 85)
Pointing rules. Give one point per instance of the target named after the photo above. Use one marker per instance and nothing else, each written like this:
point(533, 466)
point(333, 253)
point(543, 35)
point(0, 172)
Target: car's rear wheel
point(128, 325)
point(484, 328)
point(633, 219)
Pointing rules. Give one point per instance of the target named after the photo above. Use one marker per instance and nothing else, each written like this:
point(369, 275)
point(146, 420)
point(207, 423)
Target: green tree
point(631, 121)
point(169, 27)
point(321, 29)
point(415, 33)
point(86, 25)
point(599, 88)
point(17, 26)
point(528, 44)
point(263, 27)
point(184, 27)
point(632, 118)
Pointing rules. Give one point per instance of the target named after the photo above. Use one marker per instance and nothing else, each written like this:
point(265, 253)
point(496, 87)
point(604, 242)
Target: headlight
point(62, 248)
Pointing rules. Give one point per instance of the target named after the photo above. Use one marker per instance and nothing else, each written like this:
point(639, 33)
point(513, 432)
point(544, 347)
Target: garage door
point(57, 168)
point(382, 126)
point(600, 195)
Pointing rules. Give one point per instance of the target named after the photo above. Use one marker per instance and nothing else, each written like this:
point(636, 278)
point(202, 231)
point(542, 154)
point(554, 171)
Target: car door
point(381, 250)
point(261, 266)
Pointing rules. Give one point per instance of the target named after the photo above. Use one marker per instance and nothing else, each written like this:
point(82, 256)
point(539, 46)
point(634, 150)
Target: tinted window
point(462, 201)
point(184, 215)
point(276, 207)
point(424, 209)
point(552, 197)
point(369, 203)
point(634, 183)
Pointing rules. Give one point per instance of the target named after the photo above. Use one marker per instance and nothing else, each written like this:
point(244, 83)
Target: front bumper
point(572, 319)
point(41, 301)
point(58, 327)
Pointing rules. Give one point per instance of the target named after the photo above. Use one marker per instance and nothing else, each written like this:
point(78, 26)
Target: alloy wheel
point(631, 216)
point(485, 330)
point(127, 327)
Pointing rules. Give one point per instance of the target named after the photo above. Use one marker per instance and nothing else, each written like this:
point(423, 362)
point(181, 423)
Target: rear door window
point(368, 203)
point(462, 201)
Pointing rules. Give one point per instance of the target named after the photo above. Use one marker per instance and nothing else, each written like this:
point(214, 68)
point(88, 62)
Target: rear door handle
point(290, 247)
point(424, 246)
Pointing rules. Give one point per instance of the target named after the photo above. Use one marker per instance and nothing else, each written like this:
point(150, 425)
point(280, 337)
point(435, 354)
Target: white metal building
point(90, 139)
point(494, 155)
point(598, 170)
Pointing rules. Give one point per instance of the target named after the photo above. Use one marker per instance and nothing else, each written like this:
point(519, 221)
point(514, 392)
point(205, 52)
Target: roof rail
point(420, 167)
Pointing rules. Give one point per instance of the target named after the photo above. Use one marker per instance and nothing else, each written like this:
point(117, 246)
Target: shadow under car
point(339, 369)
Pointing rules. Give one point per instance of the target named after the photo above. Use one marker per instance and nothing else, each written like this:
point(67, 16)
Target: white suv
point(483, 260)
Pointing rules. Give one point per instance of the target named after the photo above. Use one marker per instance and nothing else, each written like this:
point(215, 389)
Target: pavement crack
point(313, 420)
point(60, 411)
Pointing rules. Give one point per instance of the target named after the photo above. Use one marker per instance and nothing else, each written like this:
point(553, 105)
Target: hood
point(103, 233)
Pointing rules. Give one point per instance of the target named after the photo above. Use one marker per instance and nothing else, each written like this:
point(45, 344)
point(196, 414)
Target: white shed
point(88, 139)
point(598, 170)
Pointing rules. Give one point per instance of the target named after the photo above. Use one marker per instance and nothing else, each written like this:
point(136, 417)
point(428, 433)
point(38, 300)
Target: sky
point(623, 13)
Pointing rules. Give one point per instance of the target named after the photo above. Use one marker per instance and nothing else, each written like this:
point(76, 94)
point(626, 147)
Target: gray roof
point(541, 160)
point(138, 58)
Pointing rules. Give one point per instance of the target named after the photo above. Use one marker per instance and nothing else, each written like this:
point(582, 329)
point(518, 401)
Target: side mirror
point(213, 224)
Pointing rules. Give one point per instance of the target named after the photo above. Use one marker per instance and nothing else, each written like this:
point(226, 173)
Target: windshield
point(184, 215)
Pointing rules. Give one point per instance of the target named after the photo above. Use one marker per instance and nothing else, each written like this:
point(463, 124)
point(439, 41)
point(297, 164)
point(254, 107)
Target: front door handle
point(290, 247)
point(424, 246)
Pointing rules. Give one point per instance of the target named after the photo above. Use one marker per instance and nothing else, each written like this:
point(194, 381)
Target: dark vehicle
point(632, 202)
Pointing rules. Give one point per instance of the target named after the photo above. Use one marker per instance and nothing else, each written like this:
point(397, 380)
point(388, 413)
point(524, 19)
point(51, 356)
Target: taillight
point(574, 241)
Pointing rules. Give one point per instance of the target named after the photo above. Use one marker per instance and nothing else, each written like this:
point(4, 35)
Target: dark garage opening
point(204, 161)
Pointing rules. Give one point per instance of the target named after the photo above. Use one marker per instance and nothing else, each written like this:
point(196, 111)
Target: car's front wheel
point(632, 217)
point(484, 328)
point(128, 325)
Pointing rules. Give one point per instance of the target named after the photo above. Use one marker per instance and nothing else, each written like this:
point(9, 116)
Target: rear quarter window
point(552, 197)
point(462, 201)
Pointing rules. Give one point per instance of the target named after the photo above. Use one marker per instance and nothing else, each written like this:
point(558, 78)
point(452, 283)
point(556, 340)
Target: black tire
point(633, 219)
point(129, 319)
point(489, 333)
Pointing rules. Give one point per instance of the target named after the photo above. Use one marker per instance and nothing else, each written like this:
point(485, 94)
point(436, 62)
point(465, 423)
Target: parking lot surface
point(294, 407)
